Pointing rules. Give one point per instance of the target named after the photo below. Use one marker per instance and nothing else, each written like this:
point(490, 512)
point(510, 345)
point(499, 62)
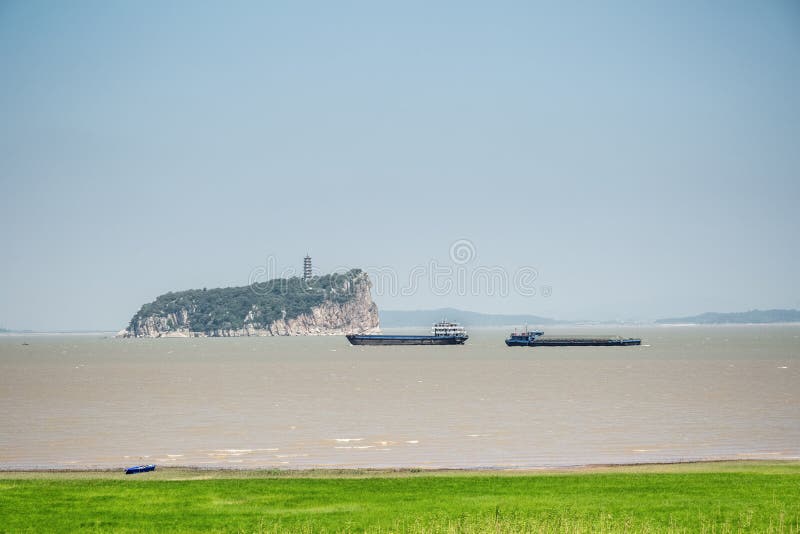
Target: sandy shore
point(182, 473)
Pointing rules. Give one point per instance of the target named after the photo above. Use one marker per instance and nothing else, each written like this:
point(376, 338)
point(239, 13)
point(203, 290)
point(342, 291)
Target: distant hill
point(752, 316)
point(399, 319)
point(13, 331)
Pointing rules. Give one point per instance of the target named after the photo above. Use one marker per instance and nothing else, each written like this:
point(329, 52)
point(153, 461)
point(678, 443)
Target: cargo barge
point(538, 339)
point(442, 333)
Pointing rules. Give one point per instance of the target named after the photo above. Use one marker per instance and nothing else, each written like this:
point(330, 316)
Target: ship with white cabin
point(442, 333)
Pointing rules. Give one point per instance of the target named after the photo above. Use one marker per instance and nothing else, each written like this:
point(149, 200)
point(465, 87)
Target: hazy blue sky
point(643, 157)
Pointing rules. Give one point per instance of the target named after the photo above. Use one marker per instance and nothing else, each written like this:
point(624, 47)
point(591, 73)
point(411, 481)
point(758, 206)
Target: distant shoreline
point(558, 326)
point(57, 333)
point(471, 319)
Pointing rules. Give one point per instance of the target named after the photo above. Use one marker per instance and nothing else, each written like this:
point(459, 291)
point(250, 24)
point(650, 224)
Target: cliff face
point(341, 306)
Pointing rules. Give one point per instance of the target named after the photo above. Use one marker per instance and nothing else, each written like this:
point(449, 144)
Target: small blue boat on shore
point(140, 469)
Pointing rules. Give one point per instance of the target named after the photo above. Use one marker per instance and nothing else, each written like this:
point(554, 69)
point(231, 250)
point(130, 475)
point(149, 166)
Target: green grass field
point(721, 497)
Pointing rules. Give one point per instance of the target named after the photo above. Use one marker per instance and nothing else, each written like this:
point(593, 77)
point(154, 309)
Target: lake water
point(688, 393)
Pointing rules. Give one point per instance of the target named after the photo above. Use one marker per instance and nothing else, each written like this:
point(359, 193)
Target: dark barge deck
point(377, 339)
point(538, 339)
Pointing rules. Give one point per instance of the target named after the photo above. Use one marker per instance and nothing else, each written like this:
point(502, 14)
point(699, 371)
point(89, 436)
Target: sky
point(577, 160)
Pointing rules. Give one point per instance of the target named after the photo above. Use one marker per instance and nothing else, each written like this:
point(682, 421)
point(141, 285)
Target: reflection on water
point(687, 393)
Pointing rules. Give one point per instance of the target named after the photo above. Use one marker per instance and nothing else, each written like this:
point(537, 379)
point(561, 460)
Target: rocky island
point(320, 305)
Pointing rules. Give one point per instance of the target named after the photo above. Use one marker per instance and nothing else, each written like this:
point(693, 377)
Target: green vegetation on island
point(724, 497)
point(259, 304)
point(752, 316)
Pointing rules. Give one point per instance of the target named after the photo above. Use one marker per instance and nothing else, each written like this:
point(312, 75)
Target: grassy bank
point(724, 497)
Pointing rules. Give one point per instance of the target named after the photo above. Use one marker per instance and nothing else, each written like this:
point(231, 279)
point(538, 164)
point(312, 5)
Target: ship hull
point(573, 342)
point(357, 339)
